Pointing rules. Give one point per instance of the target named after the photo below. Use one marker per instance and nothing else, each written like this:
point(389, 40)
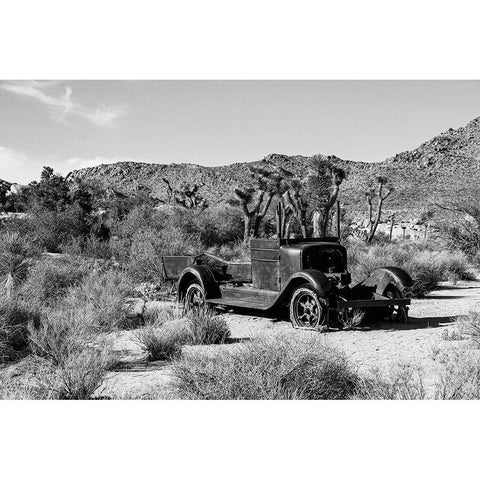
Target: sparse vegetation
point(279, 368)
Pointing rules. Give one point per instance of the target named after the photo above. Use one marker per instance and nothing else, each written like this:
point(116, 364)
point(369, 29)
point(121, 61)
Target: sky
point(73, 124)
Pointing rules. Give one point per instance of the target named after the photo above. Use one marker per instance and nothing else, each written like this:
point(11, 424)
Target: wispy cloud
point(62, 105)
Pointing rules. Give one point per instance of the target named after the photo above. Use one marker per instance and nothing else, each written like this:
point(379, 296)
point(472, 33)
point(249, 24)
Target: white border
point(239, 40)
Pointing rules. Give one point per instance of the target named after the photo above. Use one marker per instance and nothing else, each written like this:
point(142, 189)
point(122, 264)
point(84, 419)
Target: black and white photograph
point(202, 240)
point(141, 262)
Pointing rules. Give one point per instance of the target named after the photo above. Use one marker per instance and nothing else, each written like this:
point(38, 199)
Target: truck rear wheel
point(308, 310)
point(194, 296)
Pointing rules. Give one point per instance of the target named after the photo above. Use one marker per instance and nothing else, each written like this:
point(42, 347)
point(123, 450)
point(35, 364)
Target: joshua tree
point(187, 196)
point(295, 207)
point(322, 186)
point(257, 198)
point(382, 192)
point(14, 261)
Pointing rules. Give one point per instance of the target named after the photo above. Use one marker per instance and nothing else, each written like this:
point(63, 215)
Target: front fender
point(315, 278)
point(382, 277)
point(204, 275)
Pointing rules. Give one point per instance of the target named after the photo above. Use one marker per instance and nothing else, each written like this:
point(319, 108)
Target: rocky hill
point(417, 175)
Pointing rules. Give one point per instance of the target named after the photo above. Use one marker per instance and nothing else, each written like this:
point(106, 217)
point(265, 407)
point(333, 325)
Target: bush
point(60, 335)
point(15, 316)
point(51, 278)
point(149, 246)
point(279, 368)
point(81, 376)
point(51, 229)
point(206, 328)
point(101, 300)
point(234, 252)
point(459, 378)
point(66, 341)
point(27, 380)
point(160, 342)
point(469, 326)
point(403, 382)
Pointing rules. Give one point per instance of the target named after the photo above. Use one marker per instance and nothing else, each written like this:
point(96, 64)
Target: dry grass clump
point(168, 329)
point(459, 377)
point(278, 368)
point(101, 300)
point(25, 380)
point(206, 328)
point(66, 340)
point(402, 382)
point(51, 278)
point(468, 326)
point(160, 342)
point(81, 376)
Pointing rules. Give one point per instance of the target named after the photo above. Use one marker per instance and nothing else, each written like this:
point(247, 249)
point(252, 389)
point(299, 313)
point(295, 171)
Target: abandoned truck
point(308, 276)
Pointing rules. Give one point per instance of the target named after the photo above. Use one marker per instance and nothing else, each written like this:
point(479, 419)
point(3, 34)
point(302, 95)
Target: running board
point(236, 302)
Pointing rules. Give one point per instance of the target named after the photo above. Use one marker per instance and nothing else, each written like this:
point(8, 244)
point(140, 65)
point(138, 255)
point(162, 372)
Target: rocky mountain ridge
point(416, 175)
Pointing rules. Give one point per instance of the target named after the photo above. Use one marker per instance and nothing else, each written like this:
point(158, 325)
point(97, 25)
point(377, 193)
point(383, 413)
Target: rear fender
point(382, 277)
point(314, 278)
point(204, 275)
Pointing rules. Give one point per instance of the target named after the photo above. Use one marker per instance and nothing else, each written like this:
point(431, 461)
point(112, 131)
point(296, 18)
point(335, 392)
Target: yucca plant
point(14, 261)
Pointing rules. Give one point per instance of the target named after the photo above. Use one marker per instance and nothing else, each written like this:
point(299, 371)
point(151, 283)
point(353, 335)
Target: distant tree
point(187, 196)
point(380, 193)
point(322, 186)
point(294, 204)
point(256, 198)
point(52, 192)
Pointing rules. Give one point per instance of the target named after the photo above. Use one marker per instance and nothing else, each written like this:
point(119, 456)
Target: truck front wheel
point(308, 310)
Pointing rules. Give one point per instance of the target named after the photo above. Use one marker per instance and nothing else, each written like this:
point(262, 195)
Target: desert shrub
point(160, 342)
point(101, 299)
point(278, 368)
point(60, 334)
point(89, 246)
point(27, 379)
point(233, 252)
point(206, 328)
point(468, 326)
point(401, 382)
point(217, 225)
point(459, 377)
point(51, 229)
point(65, 339)
point(15, 317)
point(81, 375)
point(50, 278)
point(452, 335)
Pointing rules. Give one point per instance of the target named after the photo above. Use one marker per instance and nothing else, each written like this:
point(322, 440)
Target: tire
point(194, 297)
point(396, 313)
point(308, 310)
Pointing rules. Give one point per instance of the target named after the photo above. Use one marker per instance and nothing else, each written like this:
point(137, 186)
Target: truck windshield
point(327, 260)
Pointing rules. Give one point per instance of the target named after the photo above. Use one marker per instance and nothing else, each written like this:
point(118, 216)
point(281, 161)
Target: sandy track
point(377, 346)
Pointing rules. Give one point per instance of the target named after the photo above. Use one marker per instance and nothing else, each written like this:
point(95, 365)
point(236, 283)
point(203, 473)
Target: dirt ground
point(376, 346)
